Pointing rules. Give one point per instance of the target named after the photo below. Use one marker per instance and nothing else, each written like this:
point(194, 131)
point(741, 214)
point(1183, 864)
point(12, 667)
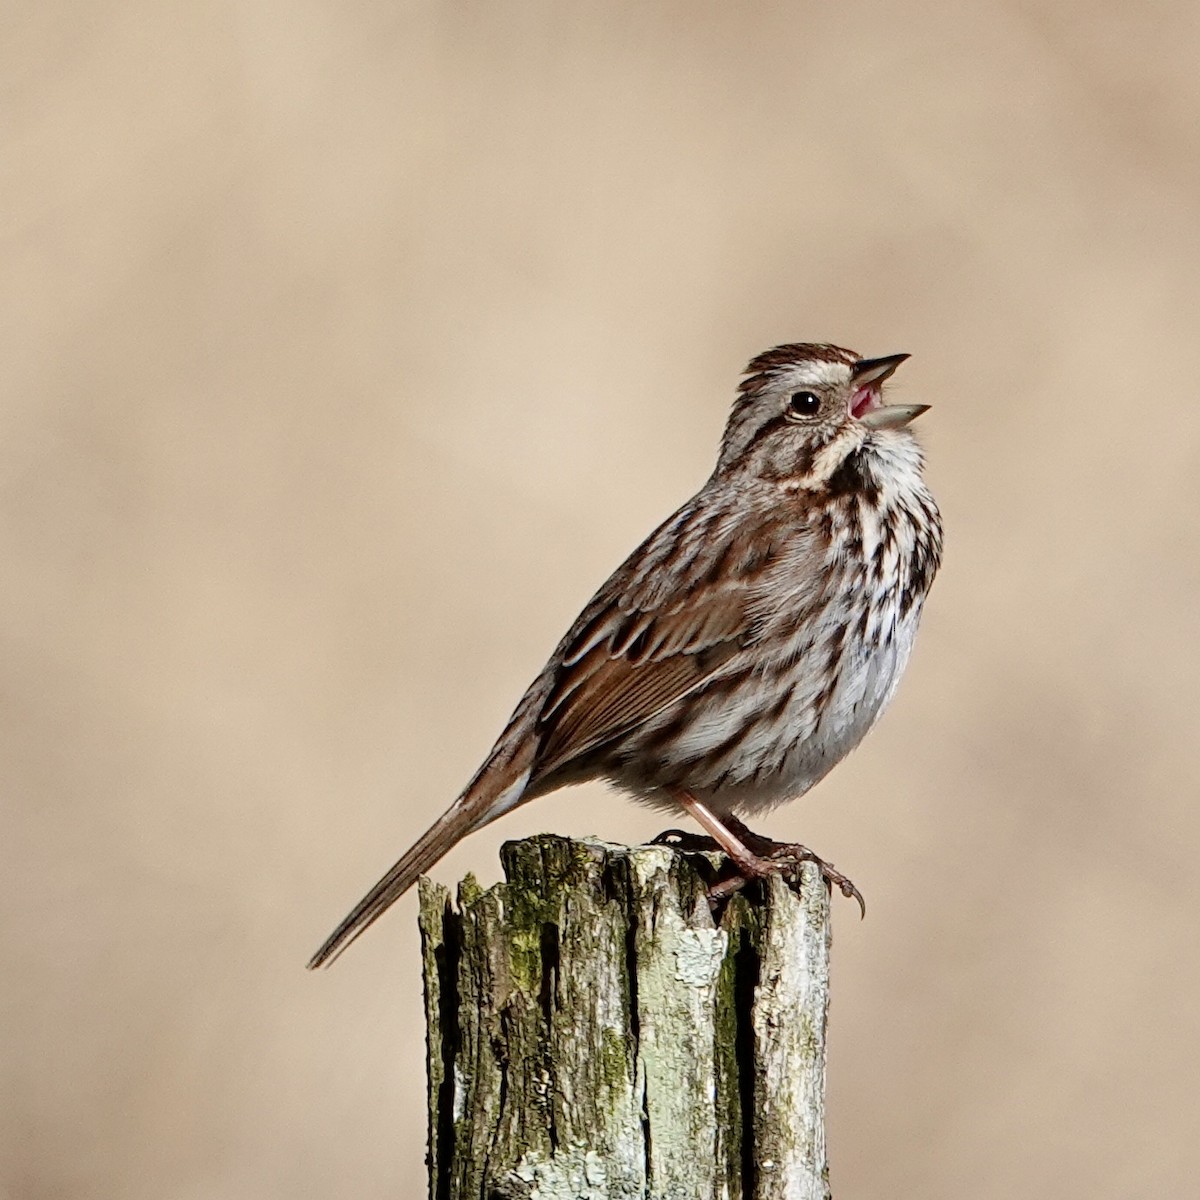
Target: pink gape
point(863, 400)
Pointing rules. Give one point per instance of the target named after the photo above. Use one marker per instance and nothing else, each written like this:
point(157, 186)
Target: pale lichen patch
point(573, 1173)
point(698, 956)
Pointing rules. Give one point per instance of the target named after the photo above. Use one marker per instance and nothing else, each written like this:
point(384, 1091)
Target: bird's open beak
point(892, 416)
point(866, 375)
point(868, 371)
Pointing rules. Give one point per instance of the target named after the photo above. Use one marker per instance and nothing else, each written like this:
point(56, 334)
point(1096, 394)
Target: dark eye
point(804, 404)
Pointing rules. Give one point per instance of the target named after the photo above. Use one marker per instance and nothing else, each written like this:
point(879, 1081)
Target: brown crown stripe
point(794, 353)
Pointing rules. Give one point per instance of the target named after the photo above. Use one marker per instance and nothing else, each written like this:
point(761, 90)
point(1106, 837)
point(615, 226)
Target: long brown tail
point(479, 805)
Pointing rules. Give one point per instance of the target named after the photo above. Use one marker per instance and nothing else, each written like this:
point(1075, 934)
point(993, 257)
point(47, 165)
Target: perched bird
point(748, 644)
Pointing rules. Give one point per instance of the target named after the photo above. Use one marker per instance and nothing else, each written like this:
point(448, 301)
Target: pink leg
point(779, 856)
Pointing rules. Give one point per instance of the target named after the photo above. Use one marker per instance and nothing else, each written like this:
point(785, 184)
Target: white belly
point(807, 749)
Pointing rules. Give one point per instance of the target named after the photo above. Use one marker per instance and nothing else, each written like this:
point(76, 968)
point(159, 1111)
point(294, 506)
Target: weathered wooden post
point(594, 1034)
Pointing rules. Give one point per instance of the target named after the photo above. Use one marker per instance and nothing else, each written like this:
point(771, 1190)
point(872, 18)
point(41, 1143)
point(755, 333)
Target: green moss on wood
point(600, 1036)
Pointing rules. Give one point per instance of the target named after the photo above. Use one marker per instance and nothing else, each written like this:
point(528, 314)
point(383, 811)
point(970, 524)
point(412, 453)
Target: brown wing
point(665, 623)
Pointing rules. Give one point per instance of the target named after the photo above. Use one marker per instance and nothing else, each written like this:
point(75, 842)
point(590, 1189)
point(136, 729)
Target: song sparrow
point(749, 643)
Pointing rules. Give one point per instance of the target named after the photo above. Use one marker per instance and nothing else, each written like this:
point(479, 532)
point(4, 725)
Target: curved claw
point(845, 886)
point(780, 851)
point(852, 893)
point(780, 858)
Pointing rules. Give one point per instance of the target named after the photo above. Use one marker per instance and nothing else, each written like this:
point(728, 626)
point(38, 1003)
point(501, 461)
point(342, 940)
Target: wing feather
point(639, 646)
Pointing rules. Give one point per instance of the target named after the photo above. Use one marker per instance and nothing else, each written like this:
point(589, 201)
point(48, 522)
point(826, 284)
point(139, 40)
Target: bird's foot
point(771, 851)
point(766, 856)
point(689, 843)
point(750, 855)
point(785, 858)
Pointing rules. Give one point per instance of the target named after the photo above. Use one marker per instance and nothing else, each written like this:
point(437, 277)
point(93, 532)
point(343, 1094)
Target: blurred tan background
point(347, 347)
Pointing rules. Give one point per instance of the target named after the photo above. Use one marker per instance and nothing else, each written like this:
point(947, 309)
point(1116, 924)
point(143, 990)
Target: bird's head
point(803, 409)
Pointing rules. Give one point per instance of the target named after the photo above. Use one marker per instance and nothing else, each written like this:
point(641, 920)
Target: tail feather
point(475, 808)
point(431, 846)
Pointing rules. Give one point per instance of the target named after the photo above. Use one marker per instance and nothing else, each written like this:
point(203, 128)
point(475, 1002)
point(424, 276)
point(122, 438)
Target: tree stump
point(594, 1033)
